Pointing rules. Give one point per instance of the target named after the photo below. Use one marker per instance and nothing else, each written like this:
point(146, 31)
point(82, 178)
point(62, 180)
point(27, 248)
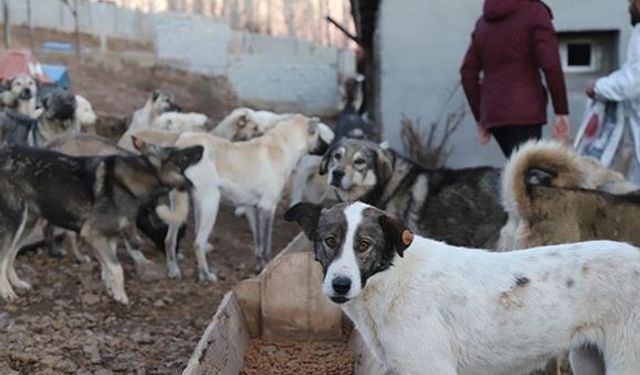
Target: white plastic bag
point(601, 131)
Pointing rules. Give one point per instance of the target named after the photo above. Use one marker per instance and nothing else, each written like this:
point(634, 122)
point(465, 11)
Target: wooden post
point(7, 25)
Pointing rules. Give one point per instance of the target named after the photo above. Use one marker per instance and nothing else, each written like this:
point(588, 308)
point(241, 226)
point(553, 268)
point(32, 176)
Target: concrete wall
point(280, 74)
point(422, 43)
point(95, 18)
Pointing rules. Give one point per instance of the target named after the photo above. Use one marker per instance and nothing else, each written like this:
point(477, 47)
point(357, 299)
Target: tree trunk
point(76, 14)
point(7, 25)
point(30, 24)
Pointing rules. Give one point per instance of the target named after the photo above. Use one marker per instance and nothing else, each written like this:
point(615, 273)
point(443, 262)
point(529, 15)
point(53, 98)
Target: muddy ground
point(67, 323)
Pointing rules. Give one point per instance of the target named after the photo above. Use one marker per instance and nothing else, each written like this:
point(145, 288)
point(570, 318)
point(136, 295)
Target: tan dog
point(548, 192)
point(21, 96)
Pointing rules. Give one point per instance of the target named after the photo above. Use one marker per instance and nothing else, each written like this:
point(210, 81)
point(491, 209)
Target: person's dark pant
point(510, 137)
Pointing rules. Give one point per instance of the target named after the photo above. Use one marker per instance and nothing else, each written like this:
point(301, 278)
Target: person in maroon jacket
point(512, 42)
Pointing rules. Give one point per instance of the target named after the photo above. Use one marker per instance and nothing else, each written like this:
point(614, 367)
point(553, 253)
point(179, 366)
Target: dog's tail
point(180, 212)
point(542, 163)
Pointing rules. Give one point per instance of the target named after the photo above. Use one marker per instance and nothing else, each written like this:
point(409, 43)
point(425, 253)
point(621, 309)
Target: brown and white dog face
point(352, 242)
point(24, 87)
point(355, 168)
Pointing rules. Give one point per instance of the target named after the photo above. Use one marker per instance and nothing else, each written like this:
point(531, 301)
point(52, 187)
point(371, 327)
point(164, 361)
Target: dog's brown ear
point(306, 215)
point(384, 165)
point(396, 234)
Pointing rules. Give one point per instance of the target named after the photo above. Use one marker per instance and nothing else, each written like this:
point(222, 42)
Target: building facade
point(419, 49)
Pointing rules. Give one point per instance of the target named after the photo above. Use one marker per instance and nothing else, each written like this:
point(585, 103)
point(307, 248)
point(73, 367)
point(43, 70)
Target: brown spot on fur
point(570, 283)
point(509, 301)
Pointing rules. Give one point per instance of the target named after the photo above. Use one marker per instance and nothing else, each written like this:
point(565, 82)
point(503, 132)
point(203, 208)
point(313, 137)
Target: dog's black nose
point(341, 285)
point(336, 178)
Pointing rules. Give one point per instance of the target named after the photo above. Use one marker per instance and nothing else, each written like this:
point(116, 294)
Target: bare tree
point(7, 25)
point(423, 147)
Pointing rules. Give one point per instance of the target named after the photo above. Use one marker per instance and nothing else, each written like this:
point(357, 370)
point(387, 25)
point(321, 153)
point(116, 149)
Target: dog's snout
point(341, 285)
point(336, 178)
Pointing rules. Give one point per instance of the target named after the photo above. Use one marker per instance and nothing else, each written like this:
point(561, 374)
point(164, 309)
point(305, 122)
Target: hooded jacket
point(513, 41)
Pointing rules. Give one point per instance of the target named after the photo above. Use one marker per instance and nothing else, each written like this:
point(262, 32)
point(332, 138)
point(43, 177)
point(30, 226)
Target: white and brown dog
point(21, 95)
point(424, 307)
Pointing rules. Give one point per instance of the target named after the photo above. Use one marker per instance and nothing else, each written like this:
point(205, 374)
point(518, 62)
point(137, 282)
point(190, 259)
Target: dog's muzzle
point(336, 178)
point(26, 94)
point(341, 287)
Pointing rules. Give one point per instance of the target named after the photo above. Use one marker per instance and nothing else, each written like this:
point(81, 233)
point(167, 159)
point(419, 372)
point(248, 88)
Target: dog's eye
point(359, 162)
point(337, 156)
point(331, 242)
point(363, 246)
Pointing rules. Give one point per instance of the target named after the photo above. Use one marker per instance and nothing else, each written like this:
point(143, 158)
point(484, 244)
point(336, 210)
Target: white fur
point(446, 310)
point(85, 114)
point(245, 174)
point(180, 122)
point(346, 264)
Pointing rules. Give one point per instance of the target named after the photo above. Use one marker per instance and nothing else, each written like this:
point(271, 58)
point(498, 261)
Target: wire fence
point(294, 18)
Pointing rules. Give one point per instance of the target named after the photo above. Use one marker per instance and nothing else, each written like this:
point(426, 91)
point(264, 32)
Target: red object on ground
point(14, 62)
point(592, 126)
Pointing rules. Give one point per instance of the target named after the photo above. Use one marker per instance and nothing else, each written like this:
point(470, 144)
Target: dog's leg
point(111, 270)
point(587, 361)
point(265, 224)
point(50, 241)
point(208, 205)
point(132, 244)
point(72, 238)
point(170, 247)
point(6, 291)
point(13, 252)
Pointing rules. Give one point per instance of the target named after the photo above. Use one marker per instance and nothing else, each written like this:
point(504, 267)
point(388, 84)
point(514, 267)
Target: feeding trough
point(284, 302)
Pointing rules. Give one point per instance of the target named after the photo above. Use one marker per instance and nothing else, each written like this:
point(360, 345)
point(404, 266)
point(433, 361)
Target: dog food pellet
point(282, 357)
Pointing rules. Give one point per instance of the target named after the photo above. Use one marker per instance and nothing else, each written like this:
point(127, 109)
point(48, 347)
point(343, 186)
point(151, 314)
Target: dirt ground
point(67, 323)
point(280, 357)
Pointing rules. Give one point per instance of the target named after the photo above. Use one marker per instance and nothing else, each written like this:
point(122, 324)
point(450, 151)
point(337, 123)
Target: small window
point(579, 55)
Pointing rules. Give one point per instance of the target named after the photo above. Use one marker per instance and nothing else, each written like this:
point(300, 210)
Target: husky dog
point(57, 118)
point(157, 103)
point(147, 220)
point(21, 95)
point(251, 175)
point(461, 207)
point(425, 307)
point(351, 123)
point(97, 197)
point(553, 195)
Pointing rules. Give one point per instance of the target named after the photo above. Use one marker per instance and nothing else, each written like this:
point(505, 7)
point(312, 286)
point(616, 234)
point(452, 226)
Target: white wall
point(94, 18)
point(280, 74)
point(422, 43)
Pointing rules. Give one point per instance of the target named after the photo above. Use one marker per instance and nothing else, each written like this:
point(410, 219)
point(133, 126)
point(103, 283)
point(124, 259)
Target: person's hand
point(591, 89)
point(483, 134)
point(562, 128)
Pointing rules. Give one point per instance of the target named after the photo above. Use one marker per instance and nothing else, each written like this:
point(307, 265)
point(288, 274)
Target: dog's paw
point(207, 276)
point(121, 297)
point(83, 259)
point(174, 271)
point(8, 294)
point(21, 285)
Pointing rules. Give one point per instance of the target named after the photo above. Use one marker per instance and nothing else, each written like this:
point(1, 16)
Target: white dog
point(424, 307)
point(251, 175)
point(21, 95)
point(181, 122)
point(157, 103)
